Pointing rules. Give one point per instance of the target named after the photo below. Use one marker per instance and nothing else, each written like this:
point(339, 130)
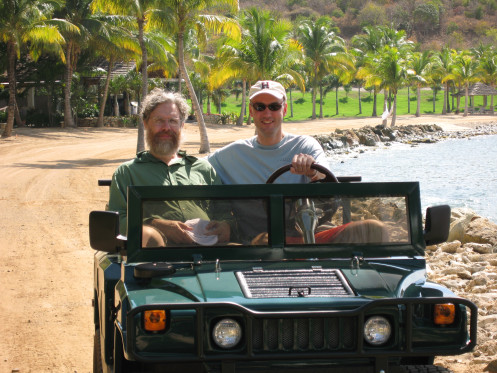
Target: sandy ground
point(48, 185)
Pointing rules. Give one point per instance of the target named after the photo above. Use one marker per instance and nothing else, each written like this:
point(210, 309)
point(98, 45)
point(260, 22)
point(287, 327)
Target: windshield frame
point(275, 194)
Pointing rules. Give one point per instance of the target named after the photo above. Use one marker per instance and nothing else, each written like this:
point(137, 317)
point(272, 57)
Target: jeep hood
point(269, 286)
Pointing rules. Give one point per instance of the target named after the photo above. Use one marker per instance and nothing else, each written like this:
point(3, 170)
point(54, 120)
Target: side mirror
point(437, 224)
point(104, 232)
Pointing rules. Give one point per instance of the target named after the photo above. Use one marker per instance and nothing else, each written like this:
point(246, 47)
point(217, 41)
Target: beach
point(48, 187)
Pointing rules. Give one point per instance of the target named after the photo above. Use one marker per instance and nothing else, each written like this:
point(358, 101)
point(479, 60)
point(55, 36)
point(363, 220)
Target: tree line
point(211, 44)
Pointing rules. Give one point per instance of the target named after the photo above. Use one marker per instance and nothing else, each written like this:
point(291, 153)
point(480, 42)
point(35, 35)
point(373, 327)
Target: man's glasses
point(171, 122)
point(258, 106)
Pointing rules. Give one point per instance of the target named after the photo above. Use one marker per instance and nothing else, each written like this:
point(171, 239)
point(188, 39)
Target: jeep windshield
point(287, 221)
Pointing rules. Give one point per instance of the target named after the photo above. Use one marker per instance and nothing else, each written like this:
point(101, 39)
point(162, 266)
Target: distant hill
point(462, 24)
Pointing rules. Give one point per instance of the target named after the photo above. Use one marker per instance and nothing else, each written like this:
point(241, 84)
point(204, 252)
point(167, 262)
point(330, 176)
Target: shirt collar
point(146, 156)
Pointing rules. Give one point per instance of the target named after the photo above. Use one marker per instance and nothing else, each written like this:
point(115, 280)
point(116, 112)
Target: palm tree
point(370, 41)
point(141, 11)
point(27, 23)
point(178, 18)
point(442, 66)
point(116, 87)
point(370, 44)
point(324, 53)
point(78, 13)
point(488, 71)
point(466, 72)
point(265, 51)
point(367, 73)
point(114, 43)
point(420, 64)
point(394, 71)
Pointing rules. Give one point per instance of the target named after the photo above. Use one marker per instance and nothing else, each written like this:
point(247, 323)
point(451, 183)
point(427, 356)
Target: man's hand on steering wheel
point(301, 165)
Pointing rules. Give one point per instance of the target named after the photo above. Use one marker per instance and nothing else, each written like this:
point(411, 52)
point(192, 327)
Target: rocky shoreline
point(467, 262)
point(352, 142)
point(467, 265)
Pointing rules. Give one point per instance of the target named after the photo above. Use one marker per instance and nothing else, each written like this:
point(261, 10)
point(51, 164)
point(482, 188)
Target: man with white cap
point(253, 160)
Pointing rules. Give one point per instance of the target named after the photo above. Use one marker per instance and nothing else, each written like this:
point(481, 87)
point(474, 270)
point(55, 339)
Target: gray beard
point(163, 147)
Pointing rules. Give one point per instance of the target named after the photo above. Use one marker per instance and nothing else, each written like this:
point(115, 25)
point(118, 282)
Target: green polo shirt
point(146, 170)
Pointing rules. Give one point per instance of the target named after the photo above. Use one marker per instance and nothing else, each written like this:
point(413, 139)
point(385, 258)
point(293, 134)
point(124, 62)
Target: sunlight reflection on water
point(460, 173)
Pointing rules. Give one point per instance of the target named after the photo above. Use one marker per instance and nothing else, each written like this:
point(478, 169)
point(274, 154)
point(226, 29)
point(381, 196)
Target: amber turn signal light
point(444, 314)
point(154, 320)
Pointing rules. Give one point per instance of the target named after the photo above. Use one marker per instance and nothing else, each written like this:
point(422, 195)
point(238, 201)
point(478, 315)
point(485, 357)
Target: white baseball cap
point(267, 86)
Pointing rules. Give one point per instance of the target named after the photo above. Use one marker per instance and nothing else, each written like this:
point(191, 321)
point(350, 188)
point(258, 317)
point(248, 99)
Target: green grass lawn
point(348, 104)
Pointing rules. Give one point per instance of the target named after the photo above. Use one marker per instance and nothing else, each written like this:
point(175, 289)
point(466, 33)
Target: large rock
point(460, 220)
point(481, 230)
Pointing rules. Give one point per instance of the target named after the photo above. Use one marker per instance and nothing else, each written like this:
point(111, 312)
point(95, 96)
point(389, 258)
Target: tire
point(425, 369)
point(97, 353)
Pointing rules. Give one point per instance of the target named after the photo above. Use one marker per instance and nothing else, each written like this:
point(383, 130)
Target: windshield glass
point(331, 220)
point(203, 222)
point(248, 222)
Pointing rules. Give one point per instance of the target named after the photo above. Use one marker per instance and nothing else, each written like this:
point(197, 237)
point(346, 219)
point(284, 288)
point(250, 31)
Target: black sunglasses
point(258, 106)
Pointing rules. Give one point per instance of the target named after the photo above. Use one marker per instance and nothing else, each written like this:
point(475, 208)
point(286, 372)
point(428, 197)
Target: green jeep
point(288, 292)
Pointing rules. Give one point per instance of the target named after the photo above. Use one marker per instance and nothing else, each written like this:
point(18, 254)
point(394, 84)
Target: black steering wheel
point(330, 178)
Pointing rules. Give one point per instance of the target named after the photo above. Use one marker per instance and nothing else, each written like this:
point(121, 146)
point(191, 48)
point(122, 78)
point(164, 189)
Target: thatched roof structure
point(478, 89)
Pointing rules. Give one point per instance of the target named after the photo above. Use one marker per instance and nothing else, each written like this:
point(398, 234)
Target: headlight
point(227, 333)
point(377, 330)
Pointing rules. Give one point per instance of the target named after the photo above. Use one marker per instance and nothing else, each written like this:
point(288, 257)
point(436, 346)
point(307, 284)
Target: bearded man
point(164, 114)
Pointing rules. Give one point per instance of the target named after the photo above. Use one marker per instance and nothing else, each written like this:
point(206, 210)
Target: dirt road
point(48, 185)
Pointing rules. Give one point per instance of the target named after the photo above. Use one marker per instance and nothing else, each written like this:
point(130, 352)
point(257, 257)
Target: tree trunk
point(239, 121)
point(453, 90)
point(17, 116)
point(103, 100)
point(408, 100)
point(466, 94)
point(127, 104)
point(249, 118)
point(314, 92)
point(204, 139)
point(140, 142)
point(68, 118)
point(320, 101)
point(394, 109)
point(375, 99)
point(179, 81)
point(291, 101)
point(11, 52)
point(492, 102)
point(336, 101)
point(444, 107)
point(360, 103)
point(385, 106)
point(434, 99)
point(418, 99)
point(313, 103)
point(116, 106)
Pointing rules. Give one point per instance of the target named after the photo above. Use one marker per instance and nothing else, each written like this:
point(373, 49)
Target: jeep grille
point(304, 334)
point(318, 282)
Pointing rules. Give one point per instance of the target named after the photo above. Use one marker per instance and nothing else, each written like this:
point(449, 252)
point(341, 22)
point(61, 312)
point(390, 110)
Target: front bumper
point(306, 337)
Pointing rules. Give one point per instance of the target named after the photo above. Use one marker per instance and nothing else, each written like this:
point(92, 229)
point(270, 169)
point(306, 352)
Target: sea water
point(457, 172)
